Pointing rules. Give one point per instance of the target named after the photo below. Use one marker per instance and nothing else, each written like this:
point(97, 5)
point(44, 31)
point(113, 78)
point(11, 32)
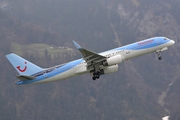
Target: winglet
point(77, 45)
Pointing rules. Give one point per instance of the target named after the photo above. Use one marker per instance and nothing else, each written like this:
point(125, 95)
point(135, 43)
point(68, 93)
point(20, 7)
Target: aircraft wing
point(90, 57)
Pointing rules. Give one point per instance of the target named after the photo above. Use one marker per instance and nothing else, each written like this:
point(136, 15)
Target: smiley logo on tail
point(22, 70)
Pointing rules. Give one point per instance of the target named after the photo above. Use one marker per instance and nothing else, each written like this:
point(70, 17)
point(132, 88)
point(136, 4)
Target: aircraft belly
point(81, 70)
point(136, 53)
point(61, 76)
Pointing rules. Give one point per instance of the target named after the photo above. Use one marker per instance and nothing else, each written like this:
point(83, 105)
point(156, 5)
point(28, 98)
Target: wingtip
point(76, 44)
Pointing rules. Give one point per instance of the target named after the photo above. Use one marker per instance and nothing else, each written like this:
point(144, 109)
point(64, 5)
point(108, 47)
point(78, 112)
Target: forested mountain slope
point(130, 94)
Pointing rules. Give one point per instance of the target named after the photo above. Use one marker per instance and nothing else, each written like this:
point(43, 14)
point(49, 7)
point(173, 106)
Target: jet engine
point(113, 60)
point(110, 69)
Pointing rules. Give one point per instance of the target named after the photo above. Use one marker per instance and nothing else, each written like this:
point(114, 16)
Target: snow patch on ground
point(165, 118)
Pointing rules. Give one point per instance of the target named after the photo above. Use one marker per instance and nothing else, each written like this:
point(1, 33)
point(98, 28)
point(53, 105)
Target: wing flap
point(25, 77)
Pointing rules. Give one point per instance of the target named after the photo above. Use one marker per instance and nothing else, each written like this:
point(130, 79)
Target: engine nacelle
point(113, 60)
point(164, 49)
point(110, 69)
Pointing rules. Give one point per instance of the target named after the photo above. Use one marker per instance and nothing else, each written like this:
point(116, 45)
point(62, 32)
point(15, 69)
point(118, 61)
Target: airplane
point(96, 64)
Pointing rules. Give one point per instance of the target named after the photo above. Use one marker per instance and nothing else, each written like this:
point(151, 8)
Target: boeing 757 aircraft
point(96, 64)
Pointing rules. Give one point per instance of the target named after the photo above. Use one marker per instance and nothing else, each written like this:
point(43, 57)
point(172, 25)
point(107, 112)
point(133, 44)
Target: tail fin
point(23, 67)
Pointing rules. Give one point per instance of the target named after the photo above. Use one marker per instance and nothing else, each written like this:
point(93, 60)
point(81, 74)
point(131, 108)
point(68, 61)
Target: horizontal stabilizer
point(25, 77)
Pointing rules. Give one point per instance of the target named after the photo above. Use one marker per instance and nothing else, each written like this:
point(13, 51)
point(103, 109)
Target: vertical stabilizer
point(23, 66)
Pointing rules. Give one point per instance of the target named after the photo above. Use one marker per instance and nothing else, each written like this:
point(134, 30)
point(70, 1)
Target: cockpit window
point(165, 38)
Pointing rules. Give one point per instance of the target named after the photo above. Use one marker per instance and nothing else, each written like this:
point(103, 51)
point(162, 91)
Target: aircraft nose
point(172, 42)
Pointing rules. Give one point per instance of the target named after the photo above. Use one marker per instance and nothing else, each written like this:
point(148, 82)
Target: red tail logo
point(22, 70)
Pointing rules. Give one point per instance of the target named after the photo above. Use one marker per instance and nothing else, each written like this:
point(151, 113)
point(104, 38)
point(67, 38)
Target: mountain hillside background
point(144, 88)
